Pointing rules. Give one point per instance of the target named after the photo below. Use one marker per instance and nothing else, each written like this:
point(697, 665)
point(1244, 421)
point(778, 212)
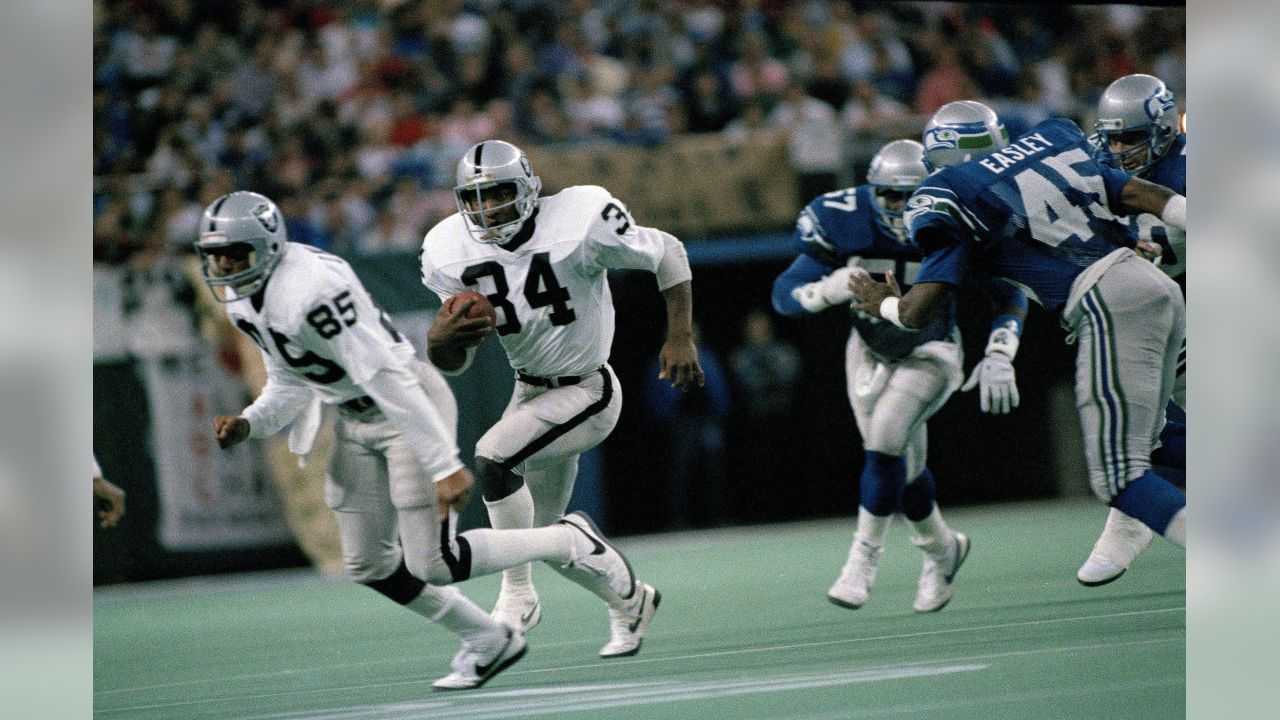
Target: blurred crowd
point(351, 115)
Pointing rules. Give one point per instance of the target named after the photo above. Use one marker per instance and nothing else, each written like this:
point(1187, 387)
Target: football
point(482, 307)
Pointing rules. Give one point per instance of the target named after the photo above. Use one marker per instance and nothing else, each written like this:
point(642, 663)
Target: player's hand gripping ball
point(481, 308)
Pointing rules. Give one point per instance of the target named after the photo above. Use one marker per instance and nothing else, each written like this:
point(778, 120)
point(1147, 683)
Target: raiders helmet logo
point(267, 216)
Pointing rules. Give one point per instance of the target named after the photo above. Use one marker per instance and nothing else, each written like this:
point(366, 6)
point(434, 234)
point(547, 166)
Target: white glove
point(831, 290)
point(994, 376)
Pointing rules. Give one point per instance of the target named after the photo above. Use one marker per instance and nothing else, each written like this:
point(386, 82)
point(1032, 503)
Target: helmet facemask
point(896, 171)
point(495, 211)
point(1137, 114)
point(496, 174)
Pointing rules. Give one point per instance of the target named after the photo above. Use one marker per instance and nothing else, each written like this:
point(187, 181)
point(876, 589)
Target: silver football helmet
point(896, 171)
point(242, 237)
point(1137, 122)
point(496, 190)
point(961, 131)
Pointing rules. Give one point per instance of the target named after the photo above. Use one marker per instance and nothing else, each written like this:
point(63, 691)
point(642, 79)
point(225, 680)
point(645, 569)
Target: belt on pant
point(553, 382)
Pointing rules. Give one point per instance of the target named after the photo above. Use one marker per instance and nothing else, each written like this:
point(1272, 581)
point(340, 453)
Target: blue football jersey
point(1037, 212)
point(831, 229)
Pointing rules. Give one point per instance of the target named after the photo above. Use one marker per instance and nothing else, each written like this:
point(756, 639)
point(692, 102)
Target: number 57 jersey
point(548, 283)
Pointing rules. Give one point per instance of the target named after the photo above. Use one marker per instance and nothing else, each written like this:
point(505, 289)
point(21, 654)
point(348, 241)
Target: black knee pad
point(400, 585)
point(496, 481)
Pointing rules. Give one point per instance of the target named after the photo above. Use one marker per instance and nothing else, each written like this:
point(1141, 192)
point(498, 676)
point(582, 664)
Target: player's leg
point(1123, 374)
point(542, 433)
point(358, 492)
point(919, 387)
point(879, 484)
point(944, 550)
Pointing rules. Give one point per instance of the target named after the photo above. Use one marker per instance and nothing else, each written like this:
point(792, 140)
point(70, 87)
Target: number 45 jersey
point(1037, 212)
point(548, 283)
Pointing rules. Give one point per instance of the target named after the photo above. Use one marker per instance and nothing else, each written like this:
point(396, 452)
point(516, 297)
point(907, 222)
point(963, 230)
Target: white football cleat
point(627, 627)
point(853, 587)
point(1122, 540)
point(939, 573)
point(519, 609)
point(594, 555)
point(478, 662)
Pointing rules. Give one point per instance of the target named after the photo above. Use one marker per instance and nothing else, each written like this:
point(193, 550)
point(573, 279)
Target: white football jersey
point(551, 292)
point(318, 326)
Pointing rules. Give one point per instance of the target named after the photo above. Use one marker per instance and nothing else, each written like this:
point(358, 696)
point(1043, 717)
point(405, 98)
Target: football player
point(1138, 132)
point(896, 378)
point(395, 483)
point(1041, 211)
point(542, 263)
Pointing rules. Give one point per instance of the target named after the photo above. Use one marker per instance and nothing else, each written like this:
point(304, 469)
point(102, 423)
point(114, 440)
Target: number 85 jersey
point(318, 327)
point(548, 283)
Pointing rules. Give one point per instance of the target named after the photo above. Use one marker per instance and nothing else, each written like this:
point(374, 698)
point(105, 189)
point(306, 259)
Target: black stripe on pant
point(560, 430)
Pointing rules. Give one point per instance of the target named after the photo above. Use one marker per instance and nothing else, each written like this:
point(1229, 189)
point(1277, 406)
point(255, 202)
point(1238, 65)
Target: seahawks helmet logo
point(1157, 105)
point(941, 138)
point(267, 216)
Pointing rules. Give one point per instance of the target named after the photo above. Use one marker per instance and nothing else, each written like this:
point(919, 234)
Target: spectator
point(766, 376)
point(693, 423)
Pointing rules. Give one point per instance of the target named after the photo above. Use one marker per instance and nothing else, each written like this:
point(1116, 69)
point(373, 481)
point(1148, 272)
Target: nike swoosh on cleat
point(959, 561)
point(524, 619)
point(483, 670)
point(640, 616)
point(599, 549)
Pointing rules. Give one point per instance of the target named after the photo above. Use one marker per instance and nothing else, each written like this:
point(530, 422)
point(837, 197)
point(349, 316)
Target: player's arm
point(1137, 196)
point(994, 375)
point(108, 496)
point(614, 240)
point(935, 285)
point(281, 401)
point(453, 338)
point(811, 286)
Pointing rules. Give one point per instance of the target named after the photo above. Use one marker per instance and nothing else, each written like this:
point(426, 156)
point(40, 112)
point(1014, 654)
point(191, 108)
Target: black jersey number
point(613, 211)
point(471, 276)
point(541, 289)
point(326, 372)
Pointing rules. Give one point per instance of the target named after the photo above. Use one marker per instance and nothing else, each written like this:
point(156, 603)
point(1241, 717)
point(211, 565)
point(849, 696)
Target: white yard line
point(664, 659)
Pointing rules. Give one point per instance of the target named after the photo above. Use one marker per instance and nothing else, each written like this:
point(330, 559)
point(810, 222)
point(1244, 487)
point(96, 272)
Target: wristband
point(889, 311)
point(1175, 212)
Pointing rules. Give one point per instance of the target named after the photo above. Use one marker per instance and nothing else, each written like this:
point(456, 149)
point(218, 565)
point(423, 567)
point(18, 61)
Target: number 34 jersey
point(548, 283)
point(1037, 212)
point(317, 326)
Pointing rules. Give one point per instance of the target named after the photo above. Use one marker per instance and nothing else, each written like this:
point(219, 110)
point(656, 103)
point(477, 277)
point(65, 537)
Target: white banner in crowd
point(209, 498)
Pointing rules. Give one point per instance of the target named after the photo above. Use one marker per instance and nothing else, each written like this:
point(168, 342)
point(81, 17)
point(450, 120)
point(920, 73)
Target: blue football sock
point(1152, 500)
point(881, 484)
point(918, 497)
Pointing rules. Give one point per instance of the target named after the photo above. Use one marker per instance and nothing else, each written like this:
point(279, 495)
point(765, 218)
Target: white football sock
point(932, 532)
point(514, 511)
point(872, 529)
point(454, 611)
point(494, 550)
